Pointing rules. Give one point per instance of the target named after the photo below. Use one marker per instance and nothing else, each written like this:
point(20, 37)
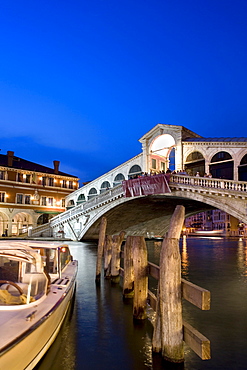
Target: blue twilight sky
point(81, 81)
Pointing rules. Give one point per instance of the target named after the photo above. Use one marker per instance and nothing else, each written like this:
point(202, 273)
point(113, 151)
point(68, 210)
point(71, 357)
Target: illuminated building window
point(63, 202)
point(2, 197)
point(2, 175)
point(19, 198)
point(51, 181)
point(154, 164)
point(50, 201)
point(19, 177)
point(28, 179)
point(43, 201)
point(70, 184)
point(27, 199)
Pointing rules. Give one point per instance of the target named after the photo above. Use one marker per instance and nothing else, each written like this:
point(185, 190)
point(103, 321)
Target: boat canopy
point(22, 276)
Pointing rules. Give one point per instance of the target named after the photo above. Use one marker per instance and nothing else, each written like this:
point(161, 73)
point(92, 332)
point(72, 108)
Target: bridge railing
point(190, 181)
point(83, 207)
point(208, 182)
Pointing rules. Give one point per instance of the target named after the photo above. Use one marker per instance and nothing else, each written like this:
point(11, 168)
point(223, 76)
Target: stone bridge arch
point(151, 214)
point(142, 215)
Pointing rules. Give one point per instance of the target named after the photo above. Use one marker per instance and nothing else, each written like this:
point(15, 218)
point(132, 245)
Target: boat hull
point(26, 350)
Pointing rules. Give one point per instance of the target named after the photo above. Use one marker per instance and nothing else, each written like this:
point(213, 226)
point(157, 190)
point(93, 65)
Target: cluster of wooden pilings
point(170, 331)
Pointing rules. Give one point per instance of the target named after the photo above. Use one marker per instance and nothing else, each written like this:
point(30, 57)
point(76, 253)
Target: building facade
point(30, 194)
point(215, 219)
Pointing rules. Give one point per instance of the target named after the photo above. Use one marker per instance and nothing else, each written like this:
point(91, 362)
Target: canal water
point(100, 333)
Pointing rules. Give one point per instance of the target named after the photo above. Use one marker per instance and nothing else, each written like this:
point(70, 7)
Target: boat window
point(65, 256)
point(20, 281)
point(49, 258)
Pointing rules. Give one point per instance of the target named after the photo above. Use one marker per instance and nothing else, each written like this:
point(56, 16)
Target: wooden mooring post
point(101, 242)
point(107, 256)
point(115, 260)
point(128, 276)
point(168, 330)
point(140, 264)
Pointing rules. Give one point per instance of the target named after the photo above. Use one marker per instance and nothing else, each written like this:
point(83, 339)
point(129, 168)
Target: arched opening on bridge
point(44, 218)
point(222, 166)
point(242, 169)
point(194, 163)
point(118, 179)
point(70, 204)
point(92, 193)
point(20, 223)
point(105, 186)
point(135, 171)
point(162, 153)
point(81, 199)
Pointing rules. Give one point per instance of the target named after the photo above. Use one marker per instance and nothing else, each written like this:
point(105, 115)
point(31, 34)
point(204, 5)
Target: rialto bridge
point(193, 157)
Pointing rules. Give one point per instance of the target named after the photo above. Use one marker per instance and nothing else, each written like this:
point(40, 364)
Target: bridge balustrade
point(95, 201)
point(175, 180)
point(207, 182)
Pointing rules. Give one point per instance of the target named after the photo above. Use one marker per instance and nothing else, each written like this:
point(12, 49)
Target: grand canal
point(101, 334)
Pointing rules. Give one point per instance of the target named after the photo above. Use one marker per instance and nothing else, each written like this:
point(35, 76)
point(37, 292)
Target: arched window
point(194, 156)
point(81, 199)
point(92, 193)
point(70, 204)
point(242, 169)
point(135, 171)
point(222, 166)
point(221, 156)
point(172, 160)
point(194, 163)
point(105, 186)
point(162, 153)
point(118, 179)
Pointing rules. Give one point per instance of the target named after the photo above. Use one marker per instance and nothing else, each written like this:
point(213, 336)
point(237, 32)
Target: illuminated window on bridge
point(154, 163)
point(135, 171)
point(222, 166)
point(118, 179)
point(92, 193)
point(242, 169)
point(81, 199)
point(105, 186)
point(70, 204)
point(194, 163)
point(162, 150)
point(221, 156)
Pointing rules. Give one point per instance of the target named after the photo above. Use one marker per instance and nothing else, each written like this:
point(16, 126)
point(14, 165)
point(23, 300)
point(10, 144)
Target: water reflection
point(242, 256)
point(102, 335)
point(184, 257)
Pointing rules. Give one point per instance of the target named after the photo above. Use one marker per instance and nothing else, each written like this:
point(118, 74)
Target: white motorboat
point(220, 232)
point(37, 284)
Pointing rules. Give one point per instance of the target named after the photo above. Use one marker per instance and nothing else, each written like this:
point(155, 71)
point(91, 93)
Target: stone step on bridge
point(142, 214)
